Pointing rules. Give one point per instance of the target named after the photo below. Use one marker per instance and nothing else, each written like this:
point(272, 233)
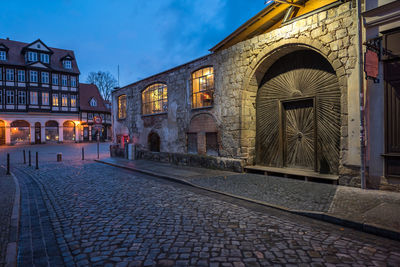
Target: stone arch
point(20, 132)
point(154, 141)
point(203, 135)
point(69, 131)
point(255, 73)
point(51, 131)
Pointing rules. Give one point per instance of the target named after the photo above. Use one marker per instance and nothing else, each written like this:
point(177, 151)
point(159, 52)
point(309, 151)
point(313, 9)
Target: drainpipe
point(361, 87)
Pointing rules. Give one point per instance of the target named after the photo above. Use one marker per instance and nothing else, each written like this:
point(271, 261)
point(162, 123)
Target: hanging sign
point(371, 64)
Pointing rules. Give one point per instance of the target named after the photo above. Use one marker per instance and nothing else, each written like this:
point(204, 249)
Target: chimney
point(8, 38)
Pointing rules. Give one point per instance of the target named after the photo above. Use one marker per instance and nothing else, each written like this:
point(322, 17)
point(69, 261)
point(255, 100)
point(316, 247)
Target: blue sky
point(143, 36)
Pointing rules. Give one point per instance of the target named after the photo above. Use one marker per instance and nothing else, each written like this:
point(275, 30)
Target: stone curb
point(12, 247)
point(322, 216)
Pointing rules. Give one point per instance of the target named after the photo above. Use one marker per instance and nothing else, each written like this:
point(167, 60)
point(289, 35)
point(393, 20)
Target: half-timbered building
point(39, 93)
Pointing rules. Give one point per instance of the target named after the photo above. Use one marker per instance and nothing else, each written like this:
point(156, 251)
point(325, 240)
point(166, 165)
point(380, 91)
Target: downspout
point(361, 88)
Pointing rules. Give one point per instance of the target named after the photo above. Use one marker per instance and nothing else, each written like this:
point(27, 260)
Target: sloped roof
point(16, 57)
point(86, 93)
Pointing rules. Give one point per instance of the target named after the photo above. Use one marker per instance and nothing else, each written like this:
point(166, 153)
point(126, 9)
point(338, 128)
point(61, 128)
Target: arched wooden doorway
point(20, 132)
point(2, 133)
point(38, 133)
point(154, 142)
point(69, 131)
point(51, 131)
point(298, 114)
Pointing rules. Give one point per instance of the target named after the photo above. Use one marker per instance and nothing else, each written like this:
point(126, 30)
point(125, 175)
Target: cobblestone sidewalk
point(7, 192)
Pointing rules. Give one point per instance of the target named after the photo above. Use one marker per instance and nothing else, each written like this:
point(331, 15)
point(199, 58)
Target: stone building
point(39, 98)
point(280, 93)
point(381, 41)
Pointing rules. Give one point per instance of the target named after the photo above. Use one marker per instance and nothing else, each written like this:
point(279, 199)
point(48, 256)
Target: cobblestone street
point(93, 214)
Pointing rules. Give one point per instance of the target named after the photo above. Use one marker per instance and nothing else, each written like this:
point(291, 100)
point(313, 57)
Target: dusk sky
point(143, 36)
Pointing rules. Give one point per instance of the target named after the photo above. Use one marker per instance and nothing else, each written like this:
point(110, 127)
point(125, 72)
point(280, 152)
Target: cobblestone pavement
point(7, 192)
point(104, 216)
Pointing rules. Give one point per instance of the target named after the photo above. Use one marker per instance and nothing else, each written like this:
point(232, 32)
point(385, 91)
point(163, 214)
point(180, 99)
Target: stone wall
point(238, 72)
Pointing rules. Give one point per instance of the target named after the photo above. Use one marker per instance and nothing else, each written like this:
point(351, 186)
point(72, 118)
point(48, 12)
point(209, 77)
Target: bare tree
point(105, 81)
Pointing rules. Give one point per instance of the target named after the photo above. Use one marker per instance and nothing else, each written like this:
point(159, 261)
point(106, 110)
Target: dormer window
point(45, 58)
point(3, 55)
point(93, 102)
point(67, 64)
point(32, 56)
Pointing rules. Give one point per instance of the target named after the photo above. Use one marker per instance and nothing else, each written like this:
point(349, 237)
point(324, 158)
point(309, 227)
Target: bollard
point(24, 157)
point(8, 164)
point(29, 156)
point(83, 153)
point(59, 157)
point(37, 160)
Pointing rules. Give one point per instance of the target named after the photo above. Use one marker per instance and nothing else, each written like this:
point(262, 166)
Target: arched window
point(122, 107)
point(155, 99)
point(202, 87)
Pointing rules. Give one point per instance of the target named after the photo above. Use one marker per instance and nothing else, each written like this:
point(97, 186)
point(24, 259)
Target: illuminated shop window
point(122, 107)
point(155, 99)
point(202, 87)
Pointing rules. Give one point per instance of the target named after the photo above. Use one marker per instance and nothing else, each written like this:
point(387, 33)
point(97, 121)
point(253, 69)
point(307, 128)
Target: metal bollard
point(24, 157)
point(37, 160)
point(59, 157)
point(8, 164)
point(83, 153)
point(29, 156)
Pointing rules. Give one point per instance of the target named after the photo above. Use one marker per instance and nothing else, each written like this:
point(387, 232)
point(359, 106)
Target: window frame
point(67, 64)
point(21, 73)
point(44, 58)
point(45, 79)
point(148, 103)
point(3, 58)
point(10, 72)
point(121, 115)
point(32, 56)
point(62, 80)
point(31, 72)
point(10, 96)
point(64, 100)
point(44, 95)
point(73, 101)
point(33, 96)
point(73, 81)
point(210, 91)
point(21, 98)
point(54, 97)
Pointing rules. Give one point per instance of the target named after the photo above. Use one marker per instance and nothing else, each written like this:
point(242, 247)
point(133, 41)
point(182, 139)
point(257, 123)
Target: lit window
point(93, 102)
point(45, 99)
point(10, 75)
point(55, 79)
point(202, 88)
point(67, 64)
point(21, 75)
point(64, 100)
point(33, 76)
point(45, 77)
point(55, 100)
point(21, 97)
point(10, 97)
point(122, 107)
point(44, 58)
point(32, 56)
point(64, 80)
point(73, 100)
point(34, 98)
point(73, 81)
point(3, 55)
point(155, 99)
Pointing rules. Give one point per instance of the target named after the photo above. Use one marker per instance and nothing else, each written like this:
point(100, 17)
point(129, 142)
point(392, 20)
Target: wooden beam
point(289, 3)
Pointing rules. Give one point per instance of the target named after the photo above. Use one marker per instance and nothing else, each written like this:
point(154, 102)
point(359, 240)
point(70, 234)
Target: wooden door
point(299, 134)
